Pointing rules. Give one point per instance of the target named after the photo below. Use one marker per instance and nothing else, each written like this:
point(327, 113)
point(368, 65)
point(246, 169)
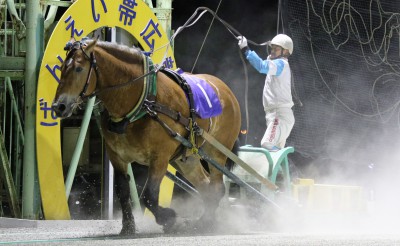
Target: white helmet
point(284, 41)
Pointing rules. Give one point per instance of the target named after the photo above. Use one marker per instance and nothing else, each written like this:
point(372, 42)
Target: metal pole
point(34, 41)
point(110, 187)
point(51, 15)
point(163, 12)
point(5, 174)
point(179, 182)
point(79, 145)
point(149, 3)
point(134, 193)
point(15, 108)
point(225, 171)
point(21, 29)
point(17, 161)
point(237, 180)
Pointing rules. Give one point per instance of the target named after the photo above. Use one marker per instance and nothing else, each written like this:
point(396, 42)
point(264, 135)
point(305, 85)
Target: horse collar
point(149, 91)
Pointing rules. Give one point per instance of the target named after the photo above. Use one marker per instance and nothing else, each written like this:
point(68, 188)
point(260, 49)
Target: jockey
point(277, 95)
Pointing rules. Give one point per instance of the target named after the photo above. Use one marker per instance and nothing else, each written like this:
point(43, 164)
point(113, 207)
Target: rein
point(153, 69)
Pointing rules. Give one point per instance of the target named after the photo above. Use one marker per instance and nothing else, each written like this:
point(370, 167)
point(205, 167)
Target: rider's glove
point(242, 42)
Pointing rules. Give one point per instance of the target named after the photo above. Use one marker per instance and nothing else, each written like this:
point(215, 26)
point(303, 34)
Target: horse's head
point(77, 79)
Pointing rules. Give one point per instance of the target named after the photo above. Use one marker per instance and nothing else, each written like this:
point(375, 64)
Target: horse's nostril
point(58, 108)
point(61, 107)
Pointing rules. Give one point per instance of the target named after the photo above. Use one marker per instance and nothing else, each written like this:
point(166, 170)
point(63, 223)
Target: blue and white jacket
point(277, 89)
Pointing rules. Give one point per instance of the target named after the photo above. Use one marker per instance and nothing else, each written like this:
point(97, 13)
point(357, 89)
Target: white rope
point(342, 19)
point(205, 38)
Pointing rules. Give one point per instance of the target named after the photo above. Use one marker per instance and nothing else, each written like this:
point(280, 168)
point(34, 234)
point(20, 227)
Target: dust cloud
point(346, 133)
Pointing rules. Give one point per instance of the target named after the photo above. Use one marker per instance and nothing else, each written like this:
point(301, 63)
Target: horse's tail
point(229, 163)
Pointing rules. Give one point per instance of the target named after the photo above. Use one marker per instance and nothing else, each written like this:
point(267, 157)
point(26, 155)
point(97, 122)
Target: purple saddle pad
point(206, 101)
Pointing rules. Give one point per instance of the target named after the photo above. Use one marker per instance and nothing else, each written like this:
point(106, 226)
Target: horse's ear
point(90, 46)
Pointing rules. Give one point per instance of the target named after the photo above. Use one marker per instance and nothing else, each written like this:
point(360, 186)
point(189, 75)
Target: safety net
point(346, 79)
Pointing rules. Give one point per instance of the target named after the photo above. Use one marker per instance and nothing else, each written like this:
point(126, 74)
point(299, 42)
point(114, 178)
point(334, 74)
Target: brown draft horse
point(145, 141)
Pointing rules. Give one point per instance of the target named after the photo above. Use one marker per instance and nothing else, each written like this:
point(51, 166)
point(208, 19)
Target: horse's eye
point(78, 69)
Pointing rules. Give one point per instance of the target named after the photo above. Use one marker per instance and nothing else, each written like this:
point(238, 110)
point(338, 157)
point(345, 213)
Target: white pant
point(280, 122)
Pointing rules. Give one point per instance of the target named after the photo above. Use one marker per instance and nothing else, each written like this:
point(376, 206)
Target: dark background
point(346, 73)
point(346, 69)
point(220, 56)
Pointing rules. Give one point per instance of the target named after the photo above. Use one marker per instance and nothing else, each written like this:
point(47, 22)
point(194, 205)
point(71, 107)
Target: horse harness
point(147, 105)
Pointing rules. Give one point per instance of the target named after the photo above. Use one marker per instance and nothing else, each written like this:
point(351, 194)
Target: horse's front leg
point(164, 216)
point(123, 193)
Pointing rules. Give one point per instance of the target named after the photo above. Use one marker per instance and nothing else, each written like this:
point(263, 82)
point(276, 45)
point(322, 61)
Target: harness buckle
point(149, 108)
point(193, 129)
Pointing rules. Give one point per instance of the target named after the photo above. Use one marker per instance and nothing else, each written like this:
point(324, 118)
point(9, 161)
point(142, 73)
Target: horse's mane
point(131, 55)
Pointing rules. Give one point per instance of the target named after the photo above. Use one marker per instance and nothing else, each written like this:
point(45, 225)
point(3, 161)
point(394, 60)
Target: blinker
point(68, 46)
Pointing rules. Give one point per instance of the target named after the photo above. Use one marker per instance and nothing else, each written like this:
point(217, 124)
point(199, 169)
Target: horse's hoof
point(204, 225)
point(181, 226)
point(127, 230)
point(166, 217)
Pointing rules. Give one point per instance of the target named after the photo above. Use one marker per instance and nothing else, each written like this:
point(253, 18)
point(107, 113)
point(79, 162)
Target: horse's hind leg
point(208, 187)
point(123, 193)
point(216, 188)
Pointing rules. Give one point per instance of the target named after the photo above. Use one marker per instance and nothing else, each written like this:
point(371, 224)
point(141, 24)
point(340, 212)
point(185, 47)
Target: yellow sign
point(82, 18)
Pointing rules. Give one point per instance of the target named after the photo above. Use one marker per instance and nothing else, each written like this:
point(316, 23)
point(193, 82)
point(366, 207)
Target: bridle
point(72, 47)
point(93, 66)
